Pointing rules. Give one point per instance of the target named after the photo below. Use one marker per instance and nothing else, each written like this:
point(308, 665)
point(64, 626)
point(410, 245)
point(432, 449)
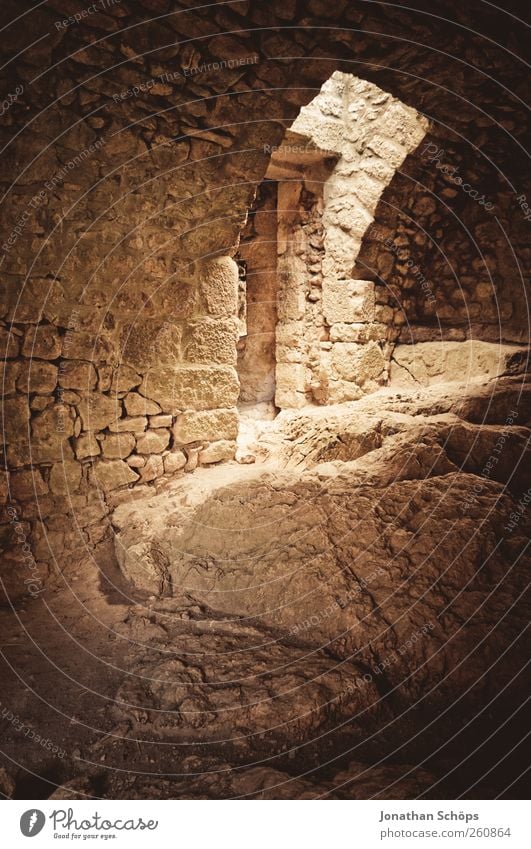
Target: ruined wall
point(446, 247)
point(333, 338)
point(134, 144)
point(258, 249)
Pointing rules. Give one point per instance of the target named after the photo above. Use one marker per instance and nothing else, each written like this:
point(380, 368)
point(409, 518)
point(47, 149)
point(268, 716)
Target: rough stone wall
point(96, 400)
point(446, 247)
point(333, 338)
point(126, 158)
point(258, 249)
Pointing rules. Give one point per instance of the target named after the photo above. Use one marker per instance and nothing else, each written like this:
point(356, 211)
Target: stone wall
point(258, 249)
point(134, 145)
point(97, 400)
point(333, 338)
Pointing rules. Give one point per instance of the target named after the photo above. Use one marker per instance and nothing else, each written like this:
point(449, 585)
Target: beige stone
point(192, 387)
point(218, 283)
point(136, 405)
point(209, 425)
point(153, 442)
point(74, 374)
point(160, 421)
point(218, 451)
point(118, 445)
point(212, 341)
point(86, 446)
point(153, 469)
point(65, 477)
point(135, 461)
point(426, 363)
point(112, 474)
point(54, 423)
point(348, 301)
point(42, 342)
point(129, 424)
point(125, 378)
point(358, 332)
point(97, 410)
point(357, 363)
point(174, 461)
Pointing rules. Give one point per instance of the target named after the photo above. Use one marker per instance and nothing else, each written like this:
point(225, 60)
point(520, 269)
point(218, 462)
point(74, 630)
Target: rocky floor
point(344, 617)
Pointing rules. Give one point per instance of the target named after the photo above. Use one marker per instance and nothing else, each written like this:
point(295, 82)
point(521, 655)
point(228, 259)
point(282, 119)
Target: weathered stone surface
point(439, 362)
point(152, 469)
point(153, 442)
point(191, 388)
point(43, 342)
point(26, 485)
point(9, 344)
point(86, 446)
point(77, 375)
point(174, 461)
point(118, 446)
point(358, 363)
point(97, 410)
point(15, 414)
point(136, 405)
point(135, 461)
point(36, 376)
point(9, 371)
point(129, 424)
point(65, 477)
point(219, 286)
point(348, 301)
point(209, 425)
point(217, 451)
point(212, 341)
point(125, 378)
point(112, 474)
point(160, 421)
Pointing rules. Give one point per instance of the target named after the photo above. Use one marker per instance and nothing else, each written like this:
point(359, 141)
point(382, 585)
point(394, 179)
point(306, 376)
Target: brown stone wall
point(333, 338)
point(447, 249)
point(258, 249)
point(134, 144)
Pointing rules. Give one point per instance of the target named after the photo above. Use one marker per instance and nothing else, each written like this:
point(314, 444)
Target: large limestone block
point(357, 363)
point(291, 382)
point(348, 301)
point(97, 410)
point(112, 474)
point(191, 387)
point(148, 342)
point(211, 424)
point(218, 283)
point(212, 341)
point(445, 362)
